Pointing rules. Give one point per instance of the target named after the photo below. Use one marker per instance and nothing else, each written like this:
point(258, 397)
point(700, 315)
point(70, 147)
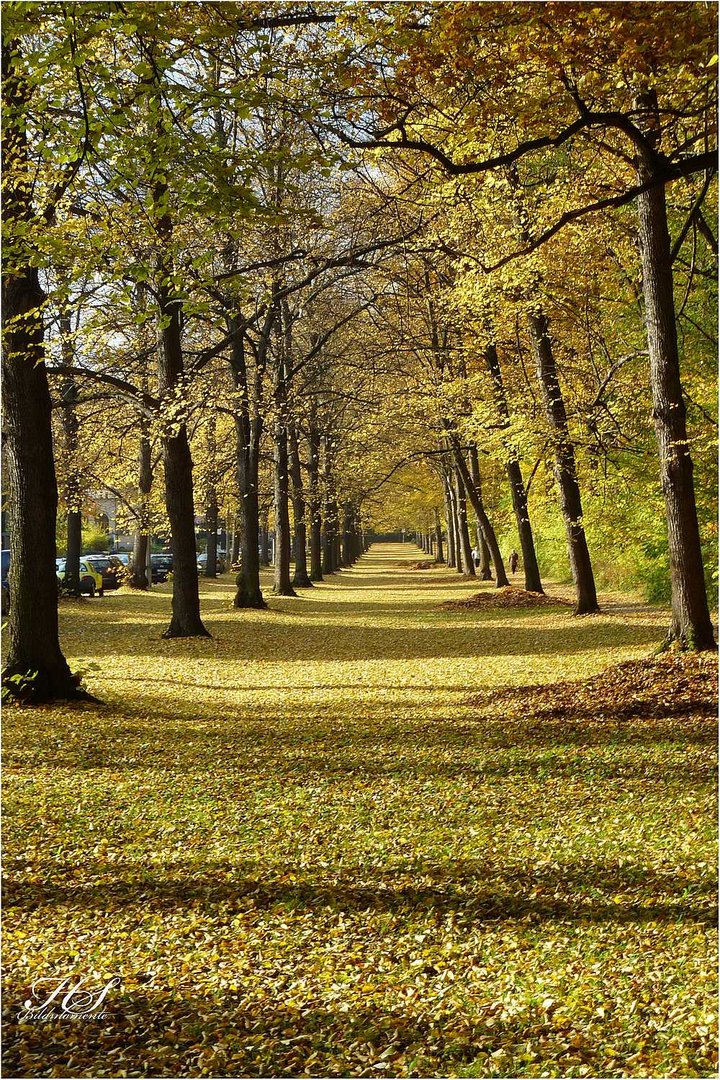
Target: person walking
point(475, 556)
point(513, 561)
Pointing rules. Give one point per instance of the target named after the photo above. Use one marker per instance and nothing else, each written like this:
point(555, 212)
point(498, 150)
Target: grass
point(305, 853)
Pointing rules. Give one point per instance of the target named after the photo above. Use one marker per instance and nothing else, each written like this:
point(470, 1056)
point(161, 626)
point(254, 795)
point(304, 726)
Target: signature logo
point(71, 998)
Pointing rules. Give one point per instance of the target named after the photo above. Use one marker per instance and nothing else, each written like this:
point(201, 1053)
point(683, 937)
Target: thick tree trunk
point(691, 626)
point(514, 475)
point(564, 467)
point(179, 503)
point(35, 668)
point(301, 578)
point(472, 486)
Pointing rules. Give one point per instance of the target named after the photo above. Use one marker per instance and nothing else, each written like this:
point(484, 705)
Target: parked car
point(108, 566)
point(202, 562)
point(124, 557)
point(91, 581)
point(5, 586)
point(161, 565)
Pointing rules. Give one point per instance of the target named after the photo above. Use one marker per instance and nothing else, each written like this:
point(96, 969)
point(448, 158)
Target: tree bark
point(301, 579)
point(564, 467)
point(211, 523)
point(179, 503)
point(248, 432)
point(265, 540)
point(531, 570)
point(346, 558)
point(466, 560)
point(450, 522)
point(484, 572)
point(691, 627)
point(35, 668)
point(330, 516)
point(314, 502)
point(212, 510)
point(138, 575)
point(472, 486)
point(282, 585)
point(439, 556)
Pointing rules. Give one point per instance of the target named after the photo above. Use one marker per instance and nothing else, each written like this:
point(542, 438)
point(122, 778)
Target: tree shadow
point(153, 1028)
point(472, 891)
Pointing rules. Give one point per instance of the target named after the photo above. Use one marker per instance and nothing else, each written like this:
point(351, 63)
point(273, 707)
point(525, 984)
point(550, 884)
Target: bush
point(94, 539)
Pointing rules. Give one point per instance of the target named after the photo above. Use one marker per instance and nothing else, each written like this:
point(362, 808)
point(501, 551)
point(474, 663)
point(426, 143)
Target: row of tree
point(322, 257)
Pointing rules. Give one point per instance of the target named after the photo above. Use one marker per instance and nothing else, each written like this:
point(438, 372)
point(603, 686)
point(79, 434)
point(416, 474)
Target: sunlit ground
point(304, 853)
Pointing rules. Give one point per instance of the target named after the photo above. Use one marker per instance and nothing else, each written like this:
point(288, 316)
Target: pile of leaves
point(424, 564)
point(508, 597)
point(669, 685)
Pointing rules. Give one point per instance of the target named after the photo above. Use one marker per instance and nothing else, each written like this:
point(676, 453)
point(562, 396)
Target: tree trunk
point(73, 485)
point(484, 572)
point(472, 486)
point(35, 668)
point(211, 524)
point(179, 503)
point(691, 626)
point(466, 560)
point(564, 467)
point(450, 522)
point(282, 585)
point(141, 542)
point(236, 538)
point(346, 558)
point(248, 432)
point(314, 504)
point(265, 540)
point(212, 510)
point(301, 579)
point(514, 475)
point(439, 556)
point(330, 515)
point(73, 493)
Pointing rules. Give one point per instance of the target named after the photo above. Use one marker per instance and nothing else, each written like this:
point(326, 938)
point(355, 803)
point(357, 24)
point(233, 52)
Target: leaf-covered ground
point(306, 852)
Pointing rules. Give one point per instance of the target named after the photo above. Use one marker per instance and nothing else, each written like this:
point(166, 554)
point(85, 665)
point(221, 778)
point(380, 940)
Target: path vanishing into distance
point(305, 852)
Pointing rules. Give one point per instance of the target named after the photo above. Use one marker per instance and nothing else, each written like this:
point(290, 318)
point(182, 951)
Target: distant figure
point(476, 556)
point(513, 561)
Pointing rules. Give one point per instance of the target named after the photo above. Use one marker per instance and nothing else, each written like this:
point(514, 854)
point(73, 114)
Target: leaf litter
point(305, 853)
